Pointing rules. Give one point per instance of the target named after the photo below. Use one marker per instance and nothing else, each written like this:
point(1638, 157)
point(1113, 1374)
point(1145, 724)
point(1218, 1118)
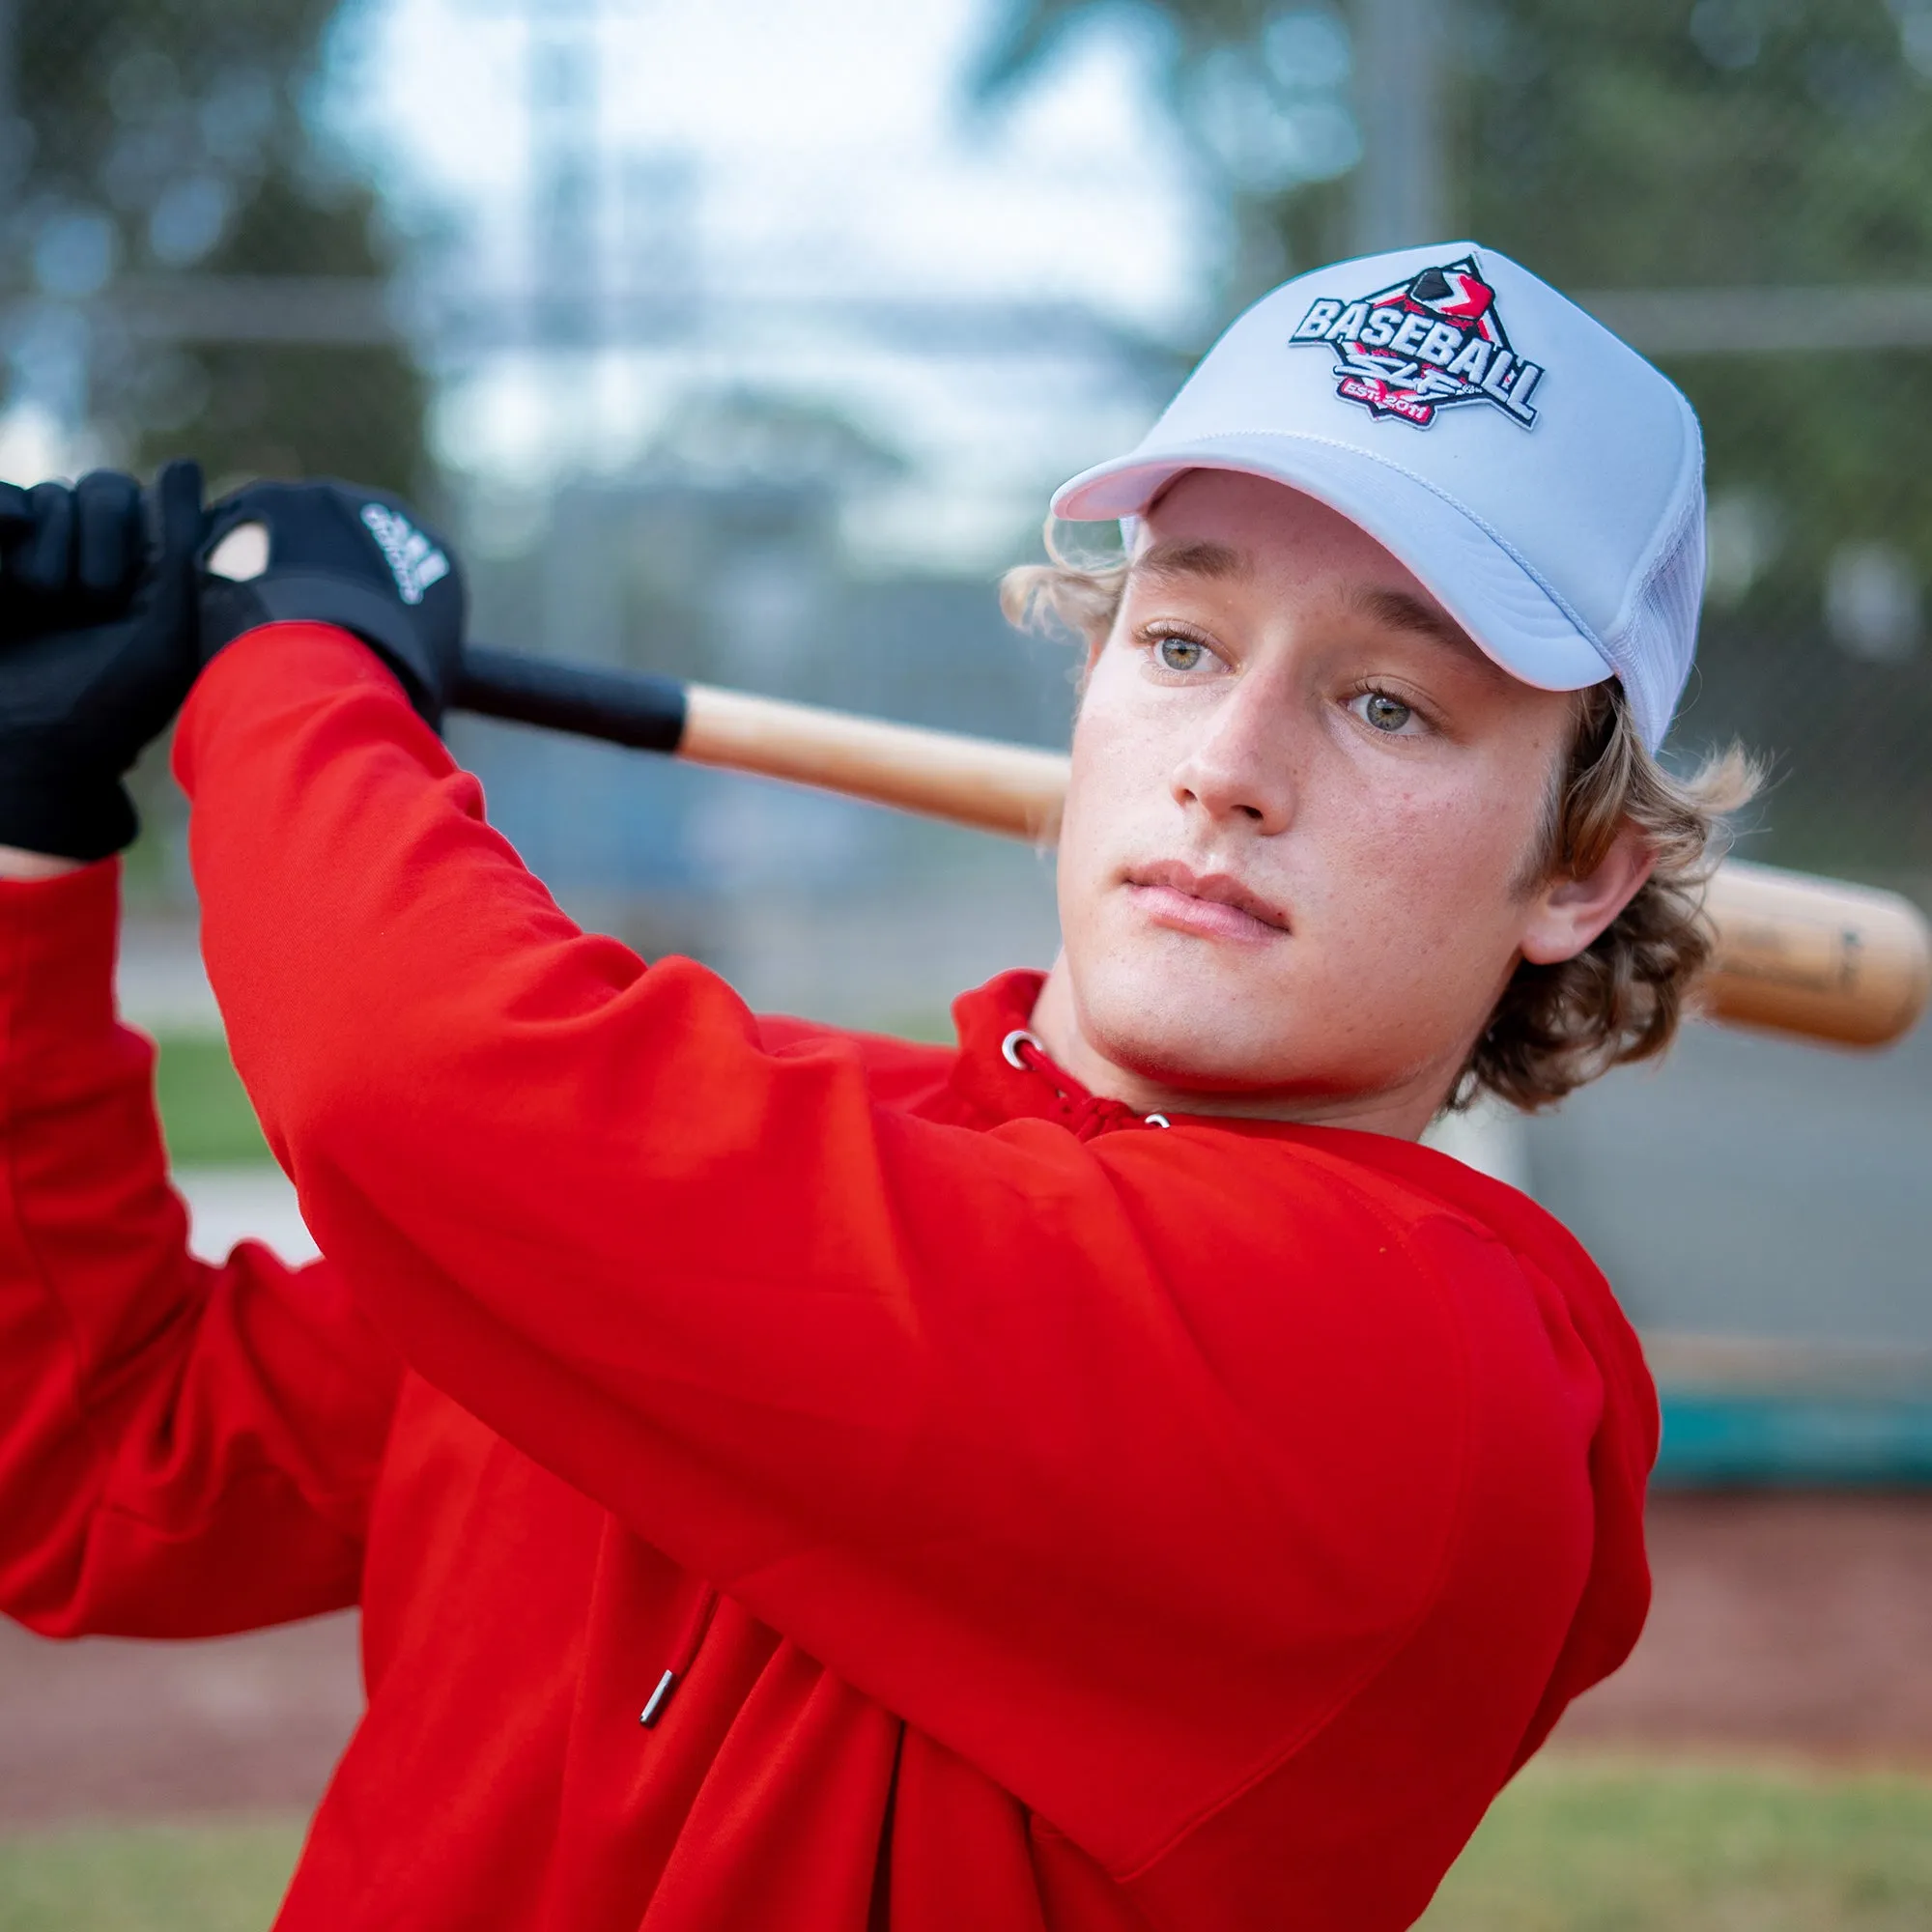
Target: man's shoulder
point(1361, 1186)
point(1385, 1248)
point(901, 1073)
point(1478, 1226)
point(1545, 1340)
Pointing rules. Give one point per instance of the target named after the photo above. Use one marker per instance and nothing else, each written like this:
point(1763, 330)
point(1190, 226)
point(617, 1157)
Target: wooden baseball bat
point(1817, 958)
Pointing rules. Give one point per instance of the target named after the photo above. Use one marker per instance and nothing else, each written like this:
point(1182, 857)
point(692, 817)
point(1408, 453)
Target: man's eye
point(1178, 653)
point(1385, 713)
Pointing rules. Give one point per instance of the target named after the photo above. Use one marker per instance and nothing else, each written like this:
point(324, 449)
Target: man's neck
point(1403, 1112)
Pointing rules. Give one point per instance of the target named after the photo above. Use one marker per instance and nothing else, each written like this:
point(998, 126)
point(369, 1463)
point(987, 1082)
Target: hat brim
point(1516, 618)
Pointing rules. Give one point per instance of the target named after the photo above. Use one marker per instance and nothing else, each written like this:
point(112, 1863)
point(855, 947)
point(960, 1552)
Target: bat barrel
point(1815, 956)
point(1012, 790)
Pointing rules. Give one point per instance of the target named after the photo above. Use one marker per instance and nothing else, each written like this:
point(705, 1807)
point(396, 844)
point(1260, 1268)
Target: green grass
point(203, 1878)
point(1635, 1845)
point(1607, 1844)
point(205, 1113)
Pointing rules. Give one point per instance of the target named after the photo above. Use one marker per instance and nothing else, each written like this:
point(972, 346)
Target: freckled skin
point(1271, 729)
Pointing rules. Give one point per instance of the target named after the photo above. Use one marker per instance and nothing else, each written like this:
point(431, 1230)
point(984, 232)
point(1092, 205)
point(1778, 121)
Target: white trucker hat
point(1536, 473)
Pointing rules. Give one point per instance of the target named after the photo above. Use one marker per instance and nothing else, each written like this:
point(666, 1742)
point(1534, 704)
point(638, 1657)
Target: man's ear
point(1566, 913)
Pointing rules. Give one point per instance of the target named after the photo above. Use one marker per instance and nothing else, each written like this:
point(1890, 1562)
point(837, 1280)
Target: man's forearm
point(24, 867)
point(184, 1449)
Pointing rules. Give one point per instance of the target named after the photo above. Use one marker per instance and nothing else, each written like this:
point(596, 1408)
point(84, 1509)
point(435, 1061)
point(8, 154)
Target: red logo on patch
point(1426, 344)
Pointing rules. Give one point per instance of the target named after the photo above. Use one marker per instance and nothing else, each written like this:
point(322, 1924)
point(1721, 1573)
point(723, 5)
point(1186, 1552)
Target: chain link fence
point(1737, 185)
point(190, 262)
point(1743, 189)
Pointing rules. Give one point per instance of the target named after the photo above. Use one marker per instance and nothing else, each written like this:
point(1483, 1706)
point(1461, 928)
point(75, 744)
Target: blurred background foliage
point(1742, 186)
point(1773, 152)
point(154, 139)
point(1663, 144)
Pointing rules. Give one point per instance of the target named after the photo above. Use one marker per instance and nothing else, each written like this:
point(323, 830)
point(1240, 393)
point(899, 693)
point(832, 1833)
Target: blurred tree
point(740, 434)
point(1748, 142)
point(146, 139)
point(167, 137)
point(1654, 143)
point(1260, 91)
point(1659, 144)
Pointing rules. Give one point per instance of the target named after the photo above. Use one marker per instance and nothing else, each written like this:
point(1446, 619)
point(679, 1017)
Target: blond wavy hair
point(1621, 999)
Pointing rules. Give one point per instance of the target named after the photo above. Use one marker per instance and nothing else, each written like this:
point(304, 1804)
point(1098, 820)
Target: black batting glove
point(357, 559)
point(97, 649)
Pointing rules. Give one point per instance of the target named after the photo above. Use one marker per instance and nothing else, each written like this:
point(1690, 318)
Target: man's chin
point(1181, 978)
point(1199, 1053)
point(1185, 1013)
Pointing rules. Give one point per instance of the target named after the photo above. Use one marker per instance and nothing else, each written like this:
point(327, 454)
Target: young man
point(1105, 1477)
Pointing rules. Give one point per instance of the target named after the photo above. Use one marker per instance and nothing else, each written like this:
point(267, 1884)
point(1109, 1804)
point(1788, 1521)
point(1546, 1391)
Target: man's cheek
point(1428, 851)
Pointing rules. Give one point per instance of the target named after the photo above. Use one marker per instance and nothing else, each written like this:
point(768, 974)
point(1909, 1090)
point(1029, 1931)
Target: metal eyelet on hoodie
point(1010, 1048)
point(1156, 1121)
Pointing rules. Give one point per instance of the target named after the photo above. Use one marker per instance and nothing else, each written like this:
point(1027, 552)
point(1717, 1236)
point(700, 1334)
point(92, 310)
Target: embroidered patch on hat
point(1427, 344)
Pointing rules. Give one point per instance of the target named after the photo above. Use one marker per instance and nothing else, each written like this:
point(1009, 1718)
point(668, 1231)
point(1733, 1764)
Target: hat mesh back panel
point(1653, 654)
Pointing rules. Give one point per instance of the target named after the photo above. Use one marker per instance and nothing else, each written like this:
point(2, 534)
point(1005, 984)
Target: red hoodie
point(1011, 1515)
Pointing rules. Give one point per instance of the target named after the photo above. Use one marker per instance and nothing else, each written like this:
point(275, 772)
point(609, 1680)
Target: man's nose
point(1240, 765)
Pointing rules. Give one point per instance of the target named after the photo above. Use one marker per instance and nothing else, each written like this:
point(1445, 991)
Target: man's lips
point(1212, 904)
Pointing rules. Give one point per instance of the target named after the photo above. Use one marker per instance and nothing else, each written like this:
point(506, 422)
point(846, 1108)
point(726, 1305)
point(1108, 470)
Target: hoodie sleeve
point(185, 1450)
point(1117, 1467)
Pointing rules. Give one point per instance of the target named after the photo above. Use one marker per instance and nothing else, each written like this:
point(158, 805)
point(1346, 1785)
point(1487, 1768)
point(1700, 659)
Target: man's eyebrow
point(1401, 611)
point(1192, 557)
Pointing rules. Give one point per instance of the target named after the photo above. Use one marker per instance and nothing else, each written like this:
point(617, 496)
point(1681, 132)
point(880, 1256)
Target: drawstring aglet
point(660, 1698)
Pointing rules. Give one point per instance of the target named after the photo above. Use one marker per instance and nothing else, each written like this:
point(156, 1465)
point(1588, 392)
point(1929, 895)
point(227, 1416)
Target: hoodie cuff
point(57, 942)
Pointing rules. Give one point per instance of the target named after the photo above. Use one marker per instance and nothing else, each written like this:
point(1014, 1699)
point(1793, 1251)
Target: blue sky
point(832, 151)
point(831, 141)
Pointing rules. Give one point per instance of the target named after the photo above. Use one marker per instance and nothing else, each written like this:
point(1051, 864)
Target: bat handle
point(1013, 789)
point(622, 707)
point(1817, 958)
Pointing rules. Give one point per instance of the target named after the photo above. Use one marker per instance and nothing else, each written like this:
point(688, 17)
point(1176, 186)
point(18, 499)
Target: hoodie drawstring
point(683, 1654)
point(1088, 1114)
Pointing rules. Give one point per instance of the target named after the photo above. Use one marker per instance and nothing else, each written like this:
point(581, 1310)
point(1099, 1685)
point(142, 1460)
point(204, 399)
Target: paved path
point(104, 1728)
